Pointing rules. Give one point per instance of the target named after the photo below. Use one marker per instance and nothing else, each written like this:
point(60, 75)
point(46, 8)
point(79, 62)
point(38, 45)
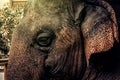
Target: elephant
point(65, 40)
point(116, 6)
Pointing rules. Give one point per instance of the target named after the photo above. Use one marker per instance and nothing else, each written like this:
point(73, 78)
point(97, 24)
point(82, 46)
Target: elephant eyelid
point(44, 40)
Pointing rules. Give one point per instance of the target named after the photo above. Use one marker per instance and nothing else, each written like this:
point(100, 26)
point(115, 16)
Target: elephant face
point(56, 38)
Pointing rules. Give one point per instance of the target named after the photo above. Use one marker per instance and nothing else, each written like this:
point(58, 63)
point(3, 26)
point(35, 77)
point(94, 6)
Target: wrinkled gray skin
point(65, 40)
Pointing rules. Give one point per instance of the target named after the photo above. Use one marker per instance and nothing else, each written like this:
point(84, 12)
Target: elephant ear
point(99, 29)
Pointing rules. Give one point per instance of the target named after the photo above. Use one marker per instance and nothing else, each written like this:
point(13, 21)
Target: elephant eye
point(44, 39)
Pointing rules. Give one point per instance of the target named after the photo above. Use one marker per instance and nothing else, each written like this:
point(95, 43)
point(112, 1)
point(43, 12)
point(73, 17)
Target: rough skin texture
point(116, 6)
point(65, 40)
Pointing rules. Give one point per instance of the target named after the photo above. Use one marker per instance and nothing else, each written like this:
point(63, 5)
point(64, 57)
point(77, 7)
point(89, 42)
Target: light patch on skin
point(33, 28)
point(79, 9)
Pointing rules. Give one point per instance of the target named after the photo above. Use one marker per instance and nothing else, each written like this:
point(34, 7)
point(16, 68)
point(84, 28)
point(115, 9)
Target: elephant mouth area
point(58, 75)
point(50, 73)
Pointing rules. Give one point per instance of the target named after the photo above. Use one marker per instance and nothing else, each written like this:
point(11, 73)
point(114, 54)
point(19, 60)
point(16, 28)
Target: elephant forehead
point(49, 6)
point(36, 21)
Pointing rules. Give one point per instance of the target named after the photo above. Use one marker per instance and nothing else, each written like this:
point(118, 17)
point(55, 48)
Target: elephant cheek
point(25, 63)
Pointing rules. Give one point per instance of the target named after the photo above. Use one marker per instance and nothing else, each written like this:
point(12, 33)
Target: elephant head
point(55, 39)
